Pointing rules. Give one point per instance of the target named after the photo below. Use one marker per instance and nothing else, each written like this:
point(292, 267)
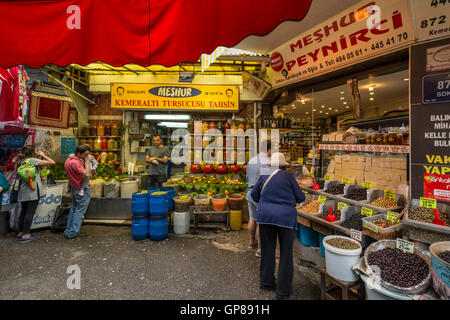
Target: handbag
point(268, 179)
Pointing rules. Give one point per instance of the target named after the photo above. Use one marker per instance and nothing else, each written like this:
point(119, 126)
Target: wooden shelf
point(401, 149)
point(111, 150)
point(99, 136)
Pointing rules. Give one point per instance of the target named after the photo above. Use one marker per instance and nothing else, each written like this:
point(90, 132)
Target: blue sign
point(436, 88)
point(67, 146)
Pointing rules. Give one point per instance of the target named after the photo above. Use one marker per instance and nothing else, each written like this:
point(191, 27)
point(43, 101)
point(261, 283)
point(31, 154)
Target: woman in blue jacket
point(277, 196)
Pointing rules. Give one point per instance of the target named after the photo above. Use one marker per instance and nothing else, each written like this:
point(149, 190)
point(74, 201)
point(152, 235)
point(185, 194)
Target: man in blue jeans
point(78, 175)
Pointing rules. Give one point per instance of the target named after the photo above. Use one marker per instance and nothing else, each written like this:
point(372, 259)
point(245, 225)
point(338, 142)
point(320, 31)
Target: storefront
point(369, 111)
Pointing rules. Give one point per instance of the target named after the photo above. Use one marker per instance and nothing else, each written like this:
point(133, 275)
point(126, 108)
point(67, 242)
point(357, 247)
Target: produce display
point(380, 228)
point(311, 207)
point(354, 222)
point(383, 202)
point(212, 185)
point(357, 194)
point(445, 255)
point(425, 215)
point(58, 172)
point(399, 268)
point(321, 183)
point(382, 223)
point(342, 243)
point(182, 203)
point(336, 189)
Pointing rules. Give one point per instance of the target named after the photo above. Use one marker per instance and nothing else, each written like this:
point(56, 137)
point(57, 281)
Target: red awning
point(144, 32)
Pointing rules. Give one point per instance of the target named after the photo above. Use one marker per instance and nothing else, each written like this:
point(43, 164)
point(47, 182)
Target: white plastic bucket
point(375, 291)
point(181, 222)
point(339, 262)
point(128, 187)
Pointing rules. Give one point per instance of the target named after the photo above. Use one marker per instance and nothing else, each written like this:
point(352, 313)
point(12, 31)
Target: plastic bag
point(97, 188)
point(111, 189)
point(382, 244)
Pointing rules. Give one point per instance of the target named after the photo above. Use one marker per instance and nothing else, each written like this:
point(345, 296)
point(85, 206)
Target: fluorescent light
point(342, 98)
point(345, 102)
point(322, 106)
point(370, 88)
point(371, 99)
point(406, 79)
point(342, 92)
point(330, 108)
point(173, 124)
point(372, 93)
point(167, 117)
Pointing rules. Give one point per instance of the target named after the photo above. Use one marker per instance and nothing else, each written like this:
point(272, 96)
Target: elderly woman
point(277, 196)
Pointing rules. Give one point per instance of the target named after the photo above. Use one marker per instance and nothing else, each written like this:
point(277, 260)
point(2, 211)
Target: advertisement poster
point(429, 124)
point(437, 186)
point(348, 38)
point(68, 146)
point(143, 96)
point(46, 209)
point(438, 58)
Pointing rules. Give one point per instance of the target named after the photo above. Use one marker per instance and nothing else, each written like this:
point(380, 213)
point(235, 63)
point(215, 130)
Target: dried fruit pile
point(399, 268)
point(382, 223)
point(425, 215)
point(311, 207)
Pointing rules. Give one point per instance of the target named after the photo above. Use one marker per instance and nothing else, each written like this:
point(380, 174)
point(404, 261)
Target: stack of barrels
point(150, 215)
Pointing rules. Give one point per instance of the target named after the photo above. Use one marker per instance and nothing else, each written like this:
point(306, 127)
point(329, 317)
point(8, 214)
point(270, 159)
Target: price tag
point(345, 181)
point(366, 212)
point(355, 234)
point(305, 192)
point(366, 226)
point(405, 245)
point(428, 203)
point(300, 160)
point(341, 205)
point(327, 177)
point(322, 199)
point(311, 175)
point(367, 185)
point(392, 216)
point(389, 194)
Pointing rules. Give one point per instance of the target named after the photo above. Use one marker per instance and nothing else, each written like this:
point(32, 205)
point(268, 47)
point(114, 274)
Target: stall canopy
point(144, 32)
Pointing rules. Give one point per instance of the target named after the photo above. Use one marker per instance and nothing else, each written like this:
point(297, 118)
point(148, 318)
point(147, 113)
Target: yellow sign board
point(145, 96)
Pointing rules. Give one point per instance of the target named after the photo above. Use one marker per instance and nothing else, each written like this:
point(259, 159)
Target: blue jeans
point(77, 211)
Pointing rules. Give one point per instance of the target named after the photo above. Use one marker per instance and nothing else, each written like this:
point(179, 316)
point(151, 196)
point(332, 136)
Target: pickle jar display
point(115, 130)
point(92, 130)
point(100, 129)
point(108, 130)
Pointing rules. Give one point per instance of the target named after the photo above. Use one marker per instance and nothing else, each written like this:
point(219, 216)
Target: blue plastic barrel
point(151, 190)
point(308, 236)
point(170, 195)
point(158, 204)
point(158, 228)
point(139, 228)
point(296, 234)
point(322, 248)
point(139, 204)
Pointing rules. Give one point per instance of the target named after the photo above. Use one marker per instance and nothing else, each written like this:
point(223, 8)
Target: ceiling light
point(342, 98)
point(320, 111)
point(347, 107)
point(293, 105)
point(307, 113)
point(342, 92)
point(322, 106)
point(371, 99)
point(345, 102)
point(372, 93)
point(314, 110)
point(326, 112)
point(371, 88)
point(406, 79)
point(167, 117)
point(336, 110)
point(330, 108)
point(294, 108)
point(173, 124)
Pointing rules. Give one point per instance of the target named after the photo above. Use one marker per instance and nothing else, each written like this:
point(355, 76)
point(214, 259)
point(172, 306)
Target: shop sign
point(144, 96)
point(428, 203)
point(432, 18)
point(405, 245)
point(430, 120)
point(436, 88)
point(366, 30)
point(46, 209)
point(327, 177)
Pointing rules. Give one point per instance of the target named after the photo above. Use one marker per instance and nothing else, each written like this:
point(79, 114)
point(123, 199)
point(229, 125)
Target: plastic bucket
point(308, 236)
point(375, 291)
point(139, 228)
point(339, 262)
point(170, 195)
point(440, 269)
point(158, 204)
point(322, 248)
point(235, 201)
point(235, 220)
point(158, 228)
point(128, 187)
point(139, 204)
point(182, 205)
point(181, 222)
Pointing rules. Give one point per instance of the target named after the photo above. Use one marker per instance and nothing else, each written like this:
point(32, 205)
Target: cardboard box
point(338, 159)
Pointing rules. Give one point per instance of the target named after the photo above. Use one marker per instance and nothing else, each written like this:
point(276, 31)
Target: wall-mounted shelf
point(402, 149)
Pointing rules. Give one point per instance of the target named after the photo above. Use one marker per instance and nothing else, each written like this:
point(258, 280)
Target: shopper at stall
point(277, 195)
point(78, 174)
point(4, 187)
point(30, 191)
point(157, 157)
point(254, 169)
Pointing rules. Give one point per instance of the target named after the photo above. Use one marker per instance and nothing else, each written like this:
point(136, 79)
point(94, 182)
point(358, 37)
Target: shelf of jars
point(401, 149)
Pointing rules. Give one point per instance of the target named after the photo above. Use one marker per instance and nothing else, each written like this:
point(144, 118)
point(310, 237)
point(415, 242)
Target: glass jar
point(100, 130)
point(378, 138)
point(385, 138)
point(103, 156)
point(405, 138)
point(85, 130)
point(97, 155)
point(97, 144)
point(112, 144)
point(212, 125)
point(399, 139)
point(368, 138)
point(83, 141)
point(108, 130)
point(110, 156)
point(392, 138)
point(226, 126)
point(90, 143)
point(220, 126)
point(115, 130)
point(93, 130)
point(116, 157)
point(104, 143)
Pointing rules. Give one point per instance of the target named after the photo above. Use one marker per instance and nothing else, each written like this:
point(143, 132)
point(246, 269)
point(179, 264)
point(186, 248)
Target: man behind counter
point(157, 157)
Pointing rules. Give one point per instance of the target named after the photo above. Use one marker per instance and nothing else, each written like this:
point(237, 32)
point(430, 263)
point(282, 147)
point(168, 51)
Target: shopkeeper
point(157, 157)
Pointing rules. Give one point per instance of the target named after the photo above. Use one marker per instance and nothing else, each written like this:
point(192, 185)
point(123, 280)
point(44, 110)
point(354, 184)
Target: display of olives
point(354, 222)
point(399, 268)
point(357, 194)
point(383, 202)
point(445, 256)
point(336, 189)
point(425, 215)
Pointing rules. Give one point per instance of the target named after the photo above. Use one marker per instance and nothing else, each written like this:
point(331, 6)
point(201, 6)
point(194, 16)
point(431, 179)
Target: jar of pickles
point(101, 130)
point(112, 144)
point(83, 141)
point(97, 144)
point(378, 138)
point(115, 129)
point(92, 130)
point(103, 156)
point(110, 156)
point(90, 143)
point(104, 143)
point(85, 131)
point(108, 130)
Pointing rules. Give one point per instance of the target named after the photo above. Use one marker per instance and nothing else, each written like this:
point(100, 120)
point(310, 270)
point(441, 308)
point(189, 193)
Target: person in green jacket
point(4, 187)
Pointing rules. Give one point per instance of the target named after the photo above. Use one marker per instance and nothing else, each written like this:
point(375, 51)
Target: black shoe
point(267, 288)
point(282, 297)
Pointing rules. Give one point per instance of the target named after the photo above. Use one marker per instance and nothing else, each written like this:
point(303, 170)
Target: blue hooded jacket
point(277, 203)
point(4, 183)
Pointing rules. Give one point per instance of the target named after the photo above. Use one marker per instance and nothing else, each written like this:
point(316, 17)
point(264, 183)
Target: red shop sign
point(436, 186)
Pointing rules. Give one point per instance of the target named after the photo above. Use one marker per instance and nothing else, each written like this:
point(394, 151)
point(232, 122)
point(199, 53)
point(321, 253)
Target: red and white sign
point(365, 30)
point(436, 186)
